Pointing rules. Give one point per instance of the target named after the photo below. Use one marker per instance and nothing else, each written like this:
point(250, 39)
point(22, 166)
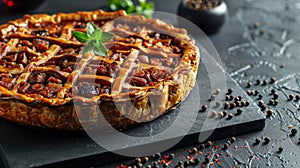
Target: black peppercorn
point(139, 165)
point(297, 97)
point(271, 102)
point(263, 107)
point(247, 103)
point(273, 80)
point(145, 160)
point(256, 92)
point(212, 97)
point(265, 82)
point(154, 163)
point(207, 159)
point(224, 113)
point(275, 102)
point(165, 165)
point(196, 161)
point(257, 82)
point(239, 111)
point(202, 146)
point(267, 140)
point(230, 90)
point(232, 105)
point(171, 156)
point(280, 149)
point(260, 97)
point(203, 108)
point(194, 150)
point(156, 156)
point(226, 145)
point(232, 139)
point(249, 84)
point(148, 166)
point(220, 115)
point(293, 132)
point(186, 163)
point(250, 92)
point(291, 97)
point(209, 143)
point(273, 91)
point(138, 160)
point(275, 96)
point(218, 91)
point(229, 116)
point(227, 97)
point(260, 103)
point(226, 105)
point(179, 163)
point(257, 141)
point(269, 112)
point(236, 99)
point(237, 104)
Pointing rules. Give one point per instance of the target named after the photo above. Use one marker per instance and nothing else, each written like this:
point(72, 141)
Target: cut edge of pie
point(38, 89)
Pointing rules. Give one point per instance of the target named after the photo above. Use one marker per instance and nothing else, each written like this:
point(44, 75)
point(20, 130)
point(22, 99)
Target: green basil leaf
point(96, 35)
point(80, 36)
point(100, 50)
point(88, 47)
point(90, 28)
point(106, 36)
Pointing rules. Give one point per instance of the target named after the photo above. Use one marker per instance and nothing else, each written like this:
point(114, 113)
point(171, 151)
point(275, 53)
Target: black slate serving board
point(31, 147)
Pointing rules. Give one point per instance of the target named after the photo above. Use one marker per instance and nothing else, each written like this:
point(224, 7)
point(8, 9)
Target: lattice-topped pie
point(151, 66)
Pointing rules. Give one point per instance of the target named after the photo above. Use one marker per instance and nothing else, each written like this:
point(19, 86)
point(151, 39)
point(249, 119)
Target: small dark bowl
point(210, 21)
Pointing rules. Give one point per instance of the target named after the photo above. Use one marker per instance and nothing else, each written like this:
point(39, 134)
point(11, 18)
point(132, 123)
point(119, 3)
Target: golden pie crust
point(151, 67)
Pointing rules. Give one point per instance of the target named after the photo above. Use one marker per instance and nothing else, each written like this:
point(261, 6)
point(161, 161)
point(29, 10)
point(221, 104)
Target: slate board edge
point(191, 139)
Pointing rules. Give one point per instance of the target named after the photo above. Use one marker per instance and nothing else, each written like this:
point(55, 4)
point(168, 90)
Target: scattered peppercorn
point(145, 160)
point(247, 103)
point(291, 97)
point(196, 161)
point(213, 114)
point(263, 107)
point(256, 25)
point(250, 92)
point(202, 146)
point(156, 156)
point(232, 139)
point(229, 116)
point(239, 111)
point(282, 65)
point(260, 96)
point(218, 91)
point(267, 140)
point(226, 105)
point(261, 102)
point(194, 150)
point(227, 97)
point(212, 97)
point(271, 102)
point(203, 108)
point(186, 163)
point(275, 95)
point(165, 165)
point(139, 165)
point(209, 143)
point(148, 166)
point(138, 160)
point(273, 91)
point(232, 105)
point(265, 82)
point(220, 115)
point(276, 102)
point(179, 163)
point(297, 97)
point(237, 104)
point(257, 82)
point(236, 99)
point(273, 80)
point(171, 156)
point(226, 145)
point(256, 92)
point(257, 141)
point(230, 91)
point(249, 84)
point(224, 113)
point(154, 163)
point(293, 132)
point(269, 112)
point(280, 149)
